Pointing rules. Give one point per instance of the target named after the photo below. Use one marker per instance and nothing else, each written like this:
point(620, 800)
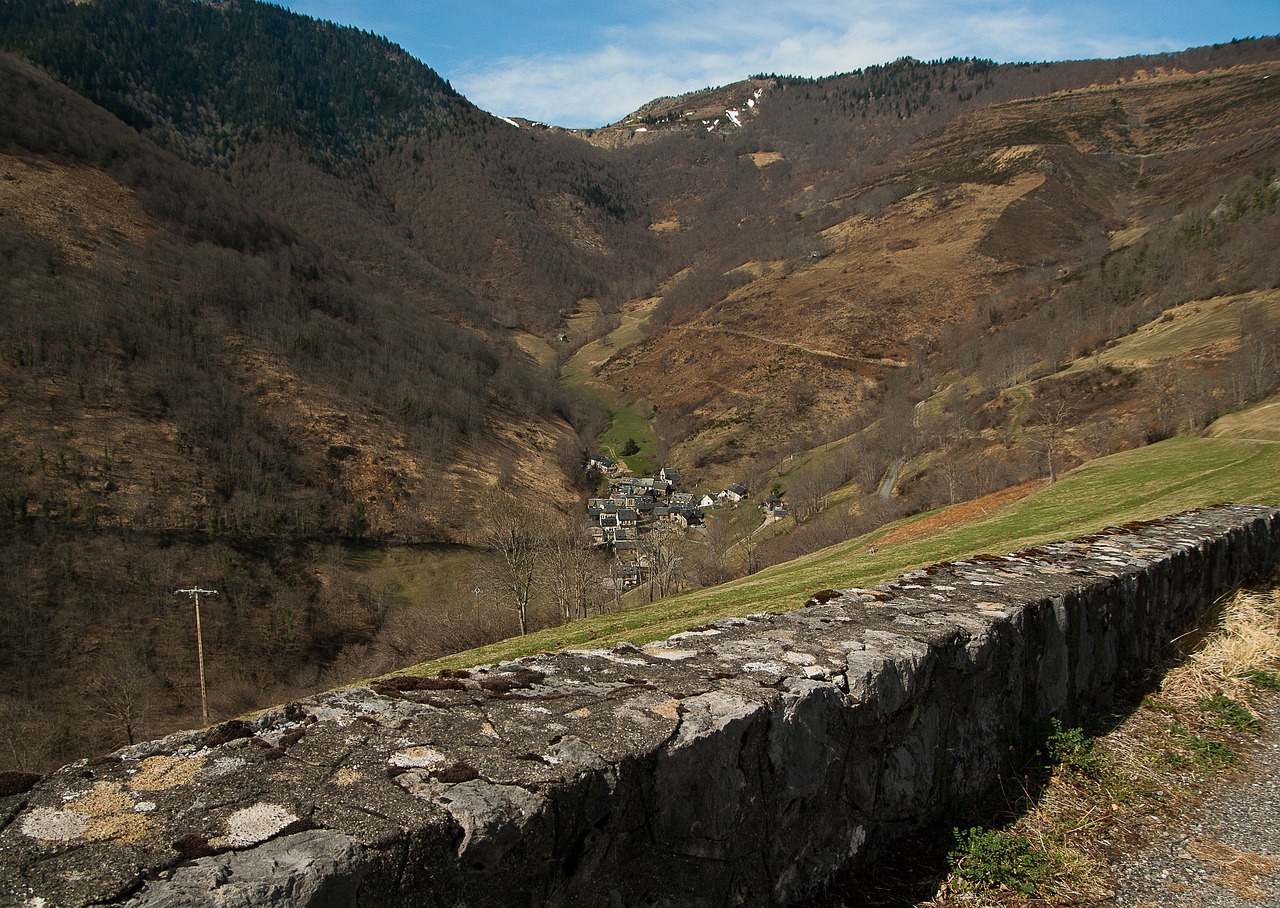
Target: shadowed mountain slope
point(354, 142)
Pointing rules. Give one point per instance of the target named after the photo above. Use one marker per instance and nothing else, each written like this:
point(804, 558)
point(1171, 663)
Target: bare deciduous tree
point(517, 537)
point(1256, 365)
point(572, 570)
point(807, 495)
point(1050, 418)
point(29, 737)
point(713, 566)
point(120, 694)
point(660, 549)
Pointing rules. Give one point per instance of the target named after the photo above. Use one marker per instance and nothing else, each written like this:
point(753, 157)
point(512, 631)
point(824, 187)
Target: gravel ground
point(1224, 853)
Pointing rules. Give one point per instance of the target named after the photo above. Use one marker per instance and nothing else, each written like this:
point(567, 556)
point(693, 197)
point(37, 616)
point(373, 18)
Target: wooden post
point(196, 594)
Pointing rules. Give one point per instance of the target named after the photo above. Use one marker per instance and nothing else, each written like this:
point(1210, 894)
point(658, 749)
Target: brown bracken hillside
point(1010, 215)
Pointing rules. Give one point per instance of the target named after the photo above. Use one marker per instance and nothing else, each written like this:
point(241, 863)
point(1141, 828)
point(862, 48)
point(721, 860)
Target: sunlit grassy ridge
point(1172, 476)
point(1261, 423)
point(1193, 326)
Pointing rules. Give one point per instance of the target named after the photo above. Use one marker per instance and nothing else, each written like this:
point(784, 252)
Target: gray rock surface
point(738, 764)
point(313, 868)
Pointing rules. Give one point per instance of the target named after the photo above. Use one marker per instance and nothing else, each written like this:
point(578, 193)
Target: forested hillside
point(196, 363)
point(278, 308)
point(194, 389)
point(208, 76)
point(355, 143)
point(251, 318)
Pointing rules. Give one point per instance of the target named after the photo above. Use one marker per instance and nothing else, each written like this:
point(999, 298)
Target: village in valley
point(636, 508)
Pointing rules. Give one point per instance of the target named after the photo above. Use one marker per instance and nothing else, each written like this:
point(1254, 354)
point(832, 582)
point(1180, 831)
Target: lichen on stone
point(164, 772)
point(112, 814)
point(417, 758)
point(50, 825)
point(253, 825)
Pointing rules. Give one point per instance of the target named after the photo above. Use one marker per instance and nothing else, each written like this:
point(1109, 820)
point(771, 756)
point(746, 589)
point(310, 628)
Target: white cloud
point(670, 48)
point(571, 90)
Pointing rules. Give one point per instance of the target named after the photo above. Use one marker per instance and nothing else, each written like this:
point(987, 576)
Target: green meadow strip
point(1165, 478)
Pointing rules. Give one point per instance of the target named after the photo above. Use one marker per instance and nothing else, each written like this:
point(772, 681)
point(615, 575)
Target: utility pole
point(196, 594)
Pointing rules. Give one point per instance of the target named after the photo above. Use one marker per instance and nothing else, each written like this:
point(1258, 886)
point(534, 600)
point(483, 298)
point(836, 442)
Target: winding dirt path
point(878, 361)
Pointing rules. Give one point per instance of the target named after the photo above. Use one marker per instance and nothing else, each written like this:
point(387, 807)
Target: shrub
point(986, 860)
point(1067, 748)
point(1230, 713)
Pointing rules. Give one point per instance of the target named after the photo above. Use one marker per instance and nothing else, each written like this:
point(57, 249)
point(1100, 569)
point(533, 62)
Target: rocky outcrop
point(741, 763)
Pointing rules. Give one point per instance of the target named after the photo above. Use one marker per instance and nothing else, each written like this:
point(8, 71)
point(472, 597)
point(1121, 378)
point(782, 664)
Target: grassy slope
point(1172, 476)
point(625, 422)
point(425, 576)
point(1261, 423)
point(1199, 325)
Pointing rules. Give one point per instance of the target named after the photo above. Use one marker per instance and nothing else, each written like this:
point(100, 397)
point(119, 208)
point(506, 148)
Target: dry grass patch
point(1208, 327)
point(763, 159)
point(79, 209)
point(1246, 642)
point(1260, 422)
point(1237, 870)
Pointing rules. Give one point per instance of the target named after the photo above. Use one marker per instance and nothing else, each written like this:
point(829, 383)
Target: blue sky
point(586, 63)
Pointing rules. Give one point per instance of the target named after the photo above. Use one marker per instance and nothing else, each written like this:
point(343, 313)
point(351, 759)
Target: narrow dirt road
point(873, 360)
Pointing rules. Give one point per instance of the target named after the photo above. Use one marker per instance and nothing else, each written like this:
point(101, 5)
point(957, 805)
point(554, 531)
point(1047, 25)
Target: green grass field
point(423, 576)
point(1172, 476)
point(625, 422)
point(1260, 423)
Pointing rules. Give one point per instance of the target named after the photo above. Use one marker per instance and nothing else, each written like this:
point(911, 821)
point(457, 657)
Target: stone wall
point(741, 763)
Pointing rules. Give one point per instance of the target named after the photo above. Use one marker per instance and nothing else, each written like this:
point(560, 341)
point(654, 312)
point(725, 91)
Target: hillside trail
point(879, 361)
